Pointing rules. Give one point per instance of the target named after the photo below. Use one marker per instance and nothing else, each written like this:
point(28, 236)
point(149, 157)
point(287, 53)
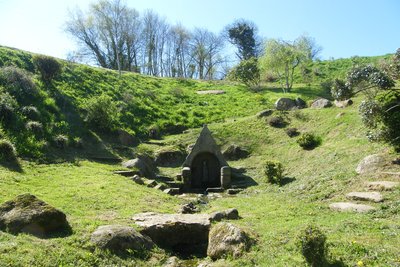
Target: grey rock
point(210, 92)
point(143, 164)
point(365, 196)
point(343, 103)
point(352, 207)
point(300, 103)
point(370, 164)
point(235, 152)
point(229, 214)
point(227, 240)
point(119, 239)
point(28, 214)
point(188, 208)
point(173, 262)
point(382, 185)
point(175, 231)
point(285, 104)
point(321, 103)
point(265, 113)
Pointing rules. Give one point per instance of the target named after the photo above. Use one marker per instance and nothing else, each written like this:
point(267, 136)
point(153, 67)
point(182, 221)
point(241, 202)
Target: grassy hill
point(90, 195)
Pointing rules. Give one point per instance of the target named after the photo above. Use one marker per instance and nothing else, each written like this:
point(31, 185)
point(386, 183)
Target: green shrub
point(102, 112)
point(60, 141)
point(308, 141)
point(274, 172)
point(31, 113)
point(7, 150)
point(246, 72)
point(35, 127)
point(18, 83)
point(277, 122)
point(292, 132)
point(313, 246)
point(7, 107)
point(48, 67)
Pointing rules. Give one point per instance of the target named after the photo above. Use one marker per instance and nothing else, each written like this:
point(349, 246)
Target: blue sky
point(343, 28)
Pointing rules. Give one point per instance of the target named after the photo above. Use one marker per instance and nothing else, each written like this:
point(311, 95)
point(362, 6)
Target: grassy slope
point(91, 196)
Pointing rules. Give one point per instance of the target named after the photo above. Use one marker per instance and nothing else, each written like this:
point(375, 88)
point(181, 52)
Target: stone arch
point(206, 171)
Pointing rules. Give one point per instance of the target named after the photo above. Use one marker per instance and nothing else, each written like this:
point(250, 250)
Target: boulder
point(285, 104)
point(234, 152)
point(126, 138)
point(382, 185)
point(343, 103)
point(188, 208)
point(28, 214)
point(365, 196)
point(321, 103)
point(227, 240)
point(183, 233)
point(265, 113)
point(300, 103)
point(143, 164)
point(370, 164)
point(229, 214)
point(170, 158)
point(348, 206)
point(119, 239)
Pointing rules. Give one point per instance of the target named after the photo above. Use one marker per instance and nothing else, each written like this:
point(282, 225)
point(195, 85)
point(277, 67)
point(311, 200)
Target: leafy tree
point(283, 57)
point(242, 34)
point(246, 71)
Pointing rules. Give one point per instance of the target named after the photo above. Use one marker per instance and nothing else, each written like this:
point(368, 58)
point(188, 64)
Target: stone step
point(126, 173)
point(173, 184)
point(150, 183)
point(382, 185)
point(365, 196)
point(352, 207)
point(172, 191)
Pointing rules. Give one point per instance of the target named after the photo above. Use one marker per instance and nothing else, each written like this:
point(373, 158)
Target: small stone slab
point(365, 196)
point(214, 190)
point(348, 206)
point(160, 187)
point(172, 191)
point(211, 92)
point(126, 173)
point(150, 183)
point(382, 185)
point(234, 191)
point(137, 180)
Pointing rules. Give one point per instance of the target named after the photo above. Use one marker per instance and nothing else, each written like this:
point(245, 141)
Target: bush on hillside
point(60, 141)
point(35, 127)
point(7, 150)
point(308, 141)
point(274, 172)
point(313, 246)
point(277, 122)
point(7, 107)
point(292, 132)
point(18, 83)
point(31, 113)
point(340, 91)
point(48, 67)
point(102, 113)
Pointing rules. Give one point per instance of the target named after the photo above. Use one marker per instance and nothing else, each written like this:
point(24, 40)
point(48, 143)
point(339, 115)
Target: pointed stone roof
point(205, 143)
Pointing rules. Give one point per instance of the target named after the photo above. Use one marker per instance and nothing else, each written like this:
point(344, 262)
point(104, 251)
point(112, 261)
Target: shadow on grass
point(241, 180)
point(13, 165)
point(287, 180)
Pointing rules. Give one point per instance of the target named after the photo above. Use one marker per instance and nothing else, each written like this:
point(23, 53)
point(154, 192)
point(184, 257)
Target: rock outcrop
point(28, 214)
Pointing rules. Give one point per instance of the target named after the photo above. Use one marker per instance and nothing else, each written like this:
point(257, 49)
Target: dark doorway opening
point(205, 171)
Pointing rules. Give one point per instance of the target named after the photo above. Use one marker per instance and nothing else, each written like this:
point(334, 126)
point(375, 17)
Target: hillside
point(87, 191)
